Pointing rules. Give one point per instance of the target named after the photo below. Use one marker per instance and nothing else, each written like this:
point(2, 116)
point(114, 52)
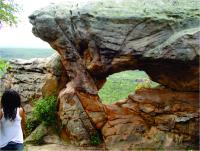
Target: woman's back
point(11, 130)
point(11, 117)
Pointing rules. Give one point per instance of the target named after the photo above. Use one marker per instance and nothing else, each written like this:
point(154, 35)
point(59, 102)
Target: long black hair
point(10, 101)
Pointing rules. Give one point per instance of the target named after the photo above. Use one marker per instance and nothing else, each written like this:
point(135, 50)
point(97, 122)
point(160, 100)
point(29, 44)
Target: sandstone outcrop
point(34, 78)
point(153, 119)
point(42, 77)
point(101, 38)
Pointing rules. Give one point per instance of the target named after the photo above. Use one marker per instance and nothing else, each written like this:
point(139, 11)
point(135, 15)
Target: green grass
point(119, 85)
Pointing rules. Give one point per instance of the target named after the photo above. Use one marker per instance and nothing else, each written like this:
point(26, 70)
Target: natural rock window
point(164, 44)
point(119, 85)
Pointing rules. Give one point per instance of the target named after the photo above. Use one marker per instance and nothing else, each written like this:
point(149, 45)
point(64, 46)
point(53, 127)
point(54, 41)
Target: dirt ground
point(61, 147)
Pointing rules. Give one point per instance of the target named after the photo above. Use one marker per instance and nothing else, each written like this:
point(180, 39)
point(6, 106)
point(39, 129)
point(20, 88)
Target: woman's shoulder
point(21, 111)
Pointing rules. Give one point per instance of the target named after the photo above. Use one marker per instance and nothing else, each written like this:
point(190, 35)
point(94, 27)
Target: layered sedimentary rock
point(101, 38)
point(42, 77)
point(154, 119)
point(34, 78)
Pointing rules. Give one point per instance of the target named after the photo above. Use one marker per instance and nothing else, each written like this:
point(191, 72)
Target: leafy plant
point(95, 139)
point(8, 8)
point(3, 66)
point(45, 110)
point(143, 83)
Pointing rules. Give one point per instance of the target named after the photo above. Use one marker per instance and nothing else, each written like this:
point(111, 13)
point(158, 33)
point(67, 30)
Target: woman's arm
point(23, 122)
point(1, 114)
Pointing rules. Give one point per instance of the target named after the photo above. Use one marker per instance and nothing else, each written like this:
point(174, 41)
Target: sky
point(21, 36)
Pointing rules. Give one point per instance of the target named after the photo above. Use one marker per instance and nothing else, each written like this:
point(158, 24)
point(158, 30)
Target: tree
point(8, 8)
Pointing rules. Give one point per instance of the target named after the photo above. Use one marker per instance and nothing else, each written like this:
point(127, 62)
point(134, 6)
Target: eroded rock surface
point(101, 38)
point(109, 37)
point(34, 78)
point(154, 118)
point(42, 77)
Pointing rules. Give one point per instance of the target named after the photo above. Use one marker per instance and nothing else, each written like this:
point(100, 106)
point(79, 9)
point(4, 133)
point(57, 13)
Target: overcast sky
point(21, 36)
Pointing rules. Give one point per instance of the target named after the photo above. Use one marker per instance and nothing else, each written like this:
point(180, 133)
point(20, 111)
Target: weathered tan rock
point(43, 134)
point(76, 126)
point(41, 77)
point(172, 116)
point(105, 37)
point(106, 42)
point(34, 78)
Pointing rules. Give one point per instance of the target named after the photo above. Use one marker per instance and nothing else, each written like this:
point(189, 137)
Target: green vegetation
point(119, 85)
point(95, 139)
point(38, 135)
point(143, 83)
point(45, 110)
point(31, 124)
point(8, 8)
point(43, 117)
point(3, 66)
point(38, 138)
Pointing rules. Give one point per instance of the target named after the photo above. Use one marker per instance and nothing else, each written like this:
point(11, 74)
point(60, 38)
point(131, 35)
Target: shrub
point(3, 66)
point(143, 83)
point(8, 8)
point(95, 139)
point(45, 110)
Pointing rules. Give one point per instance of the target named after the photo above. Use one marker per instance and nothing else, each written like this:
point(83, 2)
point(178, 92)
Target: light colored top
point(11, 130)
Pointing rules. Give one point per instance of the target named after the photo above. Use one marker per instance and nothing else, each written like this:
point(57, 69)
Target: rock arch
point(94, 44)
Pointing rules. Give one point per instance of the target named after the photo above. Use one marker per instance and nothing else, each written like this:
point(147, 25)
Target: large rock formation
point(101, 38)
point(42, 77)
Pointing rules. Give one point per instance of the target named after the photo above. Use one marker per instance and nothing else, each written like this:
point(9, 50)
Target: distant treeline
point(25, 53)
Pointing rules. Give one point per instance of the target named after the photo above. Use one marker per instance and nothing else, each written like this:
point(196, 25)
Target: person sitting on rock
point(12, 121)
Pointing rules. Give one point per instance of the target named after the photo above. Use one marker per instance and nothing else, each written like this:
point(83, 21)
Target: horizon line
point(27, 47)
